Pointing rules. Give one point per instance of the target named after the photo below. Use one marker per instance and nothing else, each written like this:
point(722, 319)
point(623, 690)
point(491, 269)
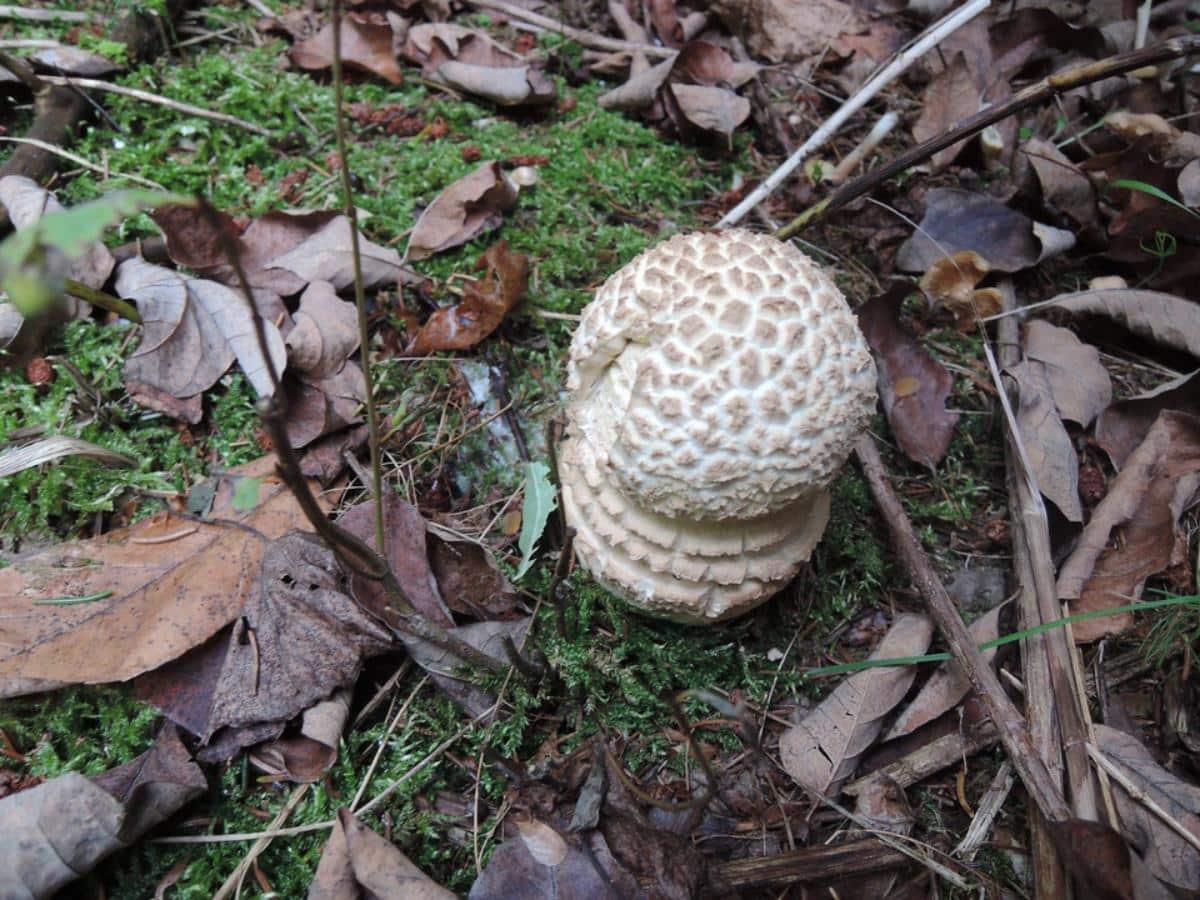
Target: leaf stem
point(122, 308)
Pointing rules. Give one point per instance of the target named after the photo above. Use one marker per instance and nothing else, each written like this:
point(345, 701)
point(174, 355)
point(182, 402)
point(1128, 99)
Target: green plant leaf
point(1132, 185)
point(245, 495)
point(535, 511)
point(26, 272)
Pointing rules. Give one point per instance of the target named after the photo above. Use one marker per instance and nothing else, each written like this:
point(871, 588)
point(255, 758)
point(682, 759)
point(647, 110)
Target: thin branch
point(1032, 95)
point(360, 299)
point(146, 97)
point(1039, 783)
point(934, 35)
point(25, 14)
point(122, 308)
point(55, 150)
point(585, 38)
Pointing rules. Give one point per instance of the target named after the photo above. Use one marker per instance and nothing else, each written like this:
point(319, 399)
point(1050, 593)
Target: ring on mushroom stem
point(717, 384)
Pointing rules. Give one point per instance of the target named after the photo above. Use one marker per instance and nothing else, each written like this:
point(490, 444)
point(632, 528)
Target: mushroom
point(717, 383)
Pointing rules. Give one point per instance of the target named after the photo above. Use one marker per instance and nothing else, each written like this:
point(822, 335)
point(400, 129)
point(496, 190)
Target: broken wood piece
point(807, 866)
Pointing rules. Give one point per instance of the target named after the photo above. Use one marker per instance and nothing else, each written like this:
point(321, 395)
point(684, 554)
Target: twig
point(1041, 606)
point(25, 14)
point(122, 308)
point(810, 865)
point(1048, 87)
point(934, 35)
point(586, 38)
point(1139, 796)
point(22, 70)
point(234, 881)
point(1031, 542)
point(989, 808)
point(1038, 781)
point(146, 97)
point(918, 765)
point(843, 170)
point(360, 299)
point(55, 150)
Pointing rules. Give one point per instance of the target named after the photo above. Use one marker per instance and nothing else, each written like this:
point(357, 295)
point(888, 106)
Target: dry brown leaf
point(1125, 424)
point(708, 110)
point(786, 31)
point(505, 86)
point(319, 407)
point(484, 305)
point(68, 60)
point(194, 330)
point(949, 684)
point(430, 45)
point(1169, 856)
point(298, 639)
point(822, 751)
point(951, 96)
point(326, 332)
point(357, 862)
point(468, 578)
point(163, 586)
point(961, 220)
point(540, 864)
point(951, 283)
point(1079, 383)
point(365, 45)
point(464, 210)
point(913, 386)
point(304, 758)
point(641, 90)
point(54, 832)
point(1140, 512)
point(1064, 187)
point(1189, 184)
point(327, 254)
point(1047, 444)
point(1164, 318)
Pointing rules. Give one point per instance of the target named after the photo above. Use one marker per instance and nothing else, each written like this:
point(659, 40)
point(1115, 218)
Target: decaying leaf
point(431, 44)
point(507, 86)
point(1047, 445)
point(326, 332)
point(540, 864)
point(365, 45)
point(194, 330)
point(305, 757)
point(470, 206)
point(484, 305)
point(912, 385)
point(54, 832)
point(951, 283)
point(711, 110)
point(161, 587)
point(951, 96)
point(1164, 318)
point(317, 407)
point(1125, 424)
point(297, 640)
point(1079, 383)
point(328, 255)
point(1140, 513)
point(949, 684)
point(961, 220)
point(823, 750)
point(468, 578)
point(451, 672)
point(784, 31)
point(1064, 187)
point(357, 862)
point(1170, 857)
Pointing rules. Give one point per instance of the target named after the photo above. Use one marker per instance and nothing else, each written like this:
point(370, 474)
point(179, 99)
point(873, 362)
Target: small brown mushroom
point(718, 382)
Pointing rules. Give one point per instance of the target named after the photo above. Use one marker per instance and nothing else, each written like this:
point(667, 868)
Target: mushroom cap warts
point(718, 382)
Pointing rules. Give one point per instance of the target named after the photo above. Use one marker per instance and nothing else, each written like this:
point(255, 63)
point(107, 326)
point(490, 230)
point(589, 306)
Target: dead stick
point(1043, 90)
point(1038, 781)
point(807, 866)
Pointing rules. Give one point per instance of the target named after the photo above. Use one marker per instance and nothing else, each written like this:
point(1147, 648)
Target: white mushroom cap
point(718, 382)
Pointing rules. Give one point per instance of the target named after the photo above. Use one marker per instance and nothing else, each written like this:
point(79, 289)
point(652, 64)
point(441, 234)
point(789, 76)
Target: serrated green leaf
point(540, 501)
